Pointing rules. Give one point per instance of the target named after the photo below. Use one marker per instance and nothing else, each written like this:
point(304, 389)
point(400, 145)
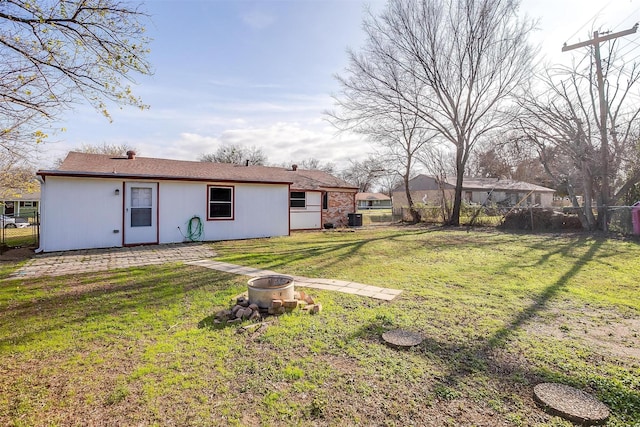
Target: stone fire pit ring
point(264, 289)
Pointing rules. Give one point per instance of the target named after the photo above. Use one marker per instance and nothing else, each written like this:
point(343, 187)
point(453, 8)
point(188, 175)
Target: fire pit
point(264, 289)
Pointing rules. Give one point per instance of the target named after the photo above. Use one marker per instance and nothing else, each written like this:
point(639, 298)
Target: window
point(468, 196)
point(141, 207)
point(220, 202)
point(325, 201)
point(538, 198)
point(298, 199)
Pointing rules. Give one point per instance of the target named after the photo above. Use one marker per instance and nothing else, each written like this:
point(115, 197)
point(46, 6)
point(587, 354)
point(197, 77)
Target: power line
point(589, 21)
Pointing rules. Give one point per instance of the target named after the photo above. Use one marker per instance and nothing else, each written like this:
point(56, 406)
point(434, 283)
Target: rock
point(243, 301)
point(223, 315)
point(276, 311)
point(246, 313)
point(290, 303)
point(236, 320)
point(276, 303)
point(309, 299)
point(254, 307)
point(316, 308)
point(235, 309)
point(255, 316)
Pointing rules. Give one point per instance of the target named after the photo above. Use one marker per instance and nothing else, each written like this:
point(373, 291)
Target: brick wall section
point(340, 204)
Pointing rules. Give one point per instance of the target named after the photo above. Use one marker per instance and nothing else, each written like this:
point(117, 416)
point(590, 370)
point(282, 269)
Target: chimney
point(131, 155)
point(294, 167)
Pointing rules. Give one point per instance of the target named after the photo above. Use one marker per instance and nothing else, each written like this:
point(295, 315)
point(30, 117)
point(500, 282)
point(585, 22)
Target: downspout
point(42, 204)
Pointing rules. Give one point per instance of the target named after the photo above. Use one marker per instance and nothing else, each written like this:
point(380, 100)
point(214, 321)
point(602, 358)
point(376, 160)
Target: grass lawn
point(499, 313)
point(16, 237)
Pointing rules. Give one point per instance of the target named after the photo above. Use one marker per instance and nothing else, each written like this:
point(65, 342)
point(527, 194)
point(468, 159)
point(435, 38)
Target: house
point(18, 203)
point(373, 201)
point(98, 201)
point(506, 192)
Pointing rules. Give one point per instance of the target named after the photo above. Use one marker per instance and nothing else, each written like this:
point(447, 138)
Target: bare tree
point(563, 121)
point(55, 53)
point(440, 164)
point(114, 150)
point(455, 64)
point(369, 107)
point(364, 174)
point(507, 156)
point(236, 154)
point(315, 164)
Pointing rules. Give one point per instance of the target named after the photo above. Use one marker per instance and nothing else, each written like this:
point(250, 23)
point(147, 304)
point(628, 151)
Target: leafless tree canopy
point(236, 154)
point(562, 121)
point(453, 64)
point(365, 174)
point(56, 52)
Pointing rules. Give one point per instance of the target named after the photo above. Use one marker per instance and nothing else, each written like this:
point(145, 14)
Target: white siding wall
point(309, 217)
point(80, 213)
point(546, 200)
point(260, 211)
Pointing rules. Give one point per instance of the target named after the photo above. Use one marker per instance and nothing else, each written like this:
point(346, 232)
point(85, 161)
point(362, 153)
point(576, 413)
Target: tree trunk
point(415, 215)
point(587, 189)
point(457, 200)
point(574, 202)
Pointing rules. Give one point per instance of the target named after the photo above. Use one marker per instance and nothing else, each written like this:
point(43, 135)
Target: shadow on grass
point(64, 305)
point(326, 252)
point(465, 359)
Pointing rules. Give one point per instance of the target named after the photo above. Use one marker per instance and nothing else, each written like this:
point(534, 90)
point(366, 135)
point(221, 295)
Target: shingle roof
point(372, 196)
point(102, 166)
point(425, 183)
point(499, 185)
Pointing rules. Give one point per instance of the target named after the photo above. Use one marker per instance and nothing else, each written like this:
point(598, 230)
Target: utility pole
point(604, 141)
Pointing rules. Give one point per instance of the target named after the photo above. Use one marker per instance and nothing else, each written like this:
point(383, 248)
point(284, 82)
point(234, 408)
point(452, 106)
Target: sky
point(261, 73)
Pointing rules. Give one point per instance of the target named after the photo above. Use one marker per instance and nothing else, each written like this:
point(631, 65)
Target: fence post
point(531, 215)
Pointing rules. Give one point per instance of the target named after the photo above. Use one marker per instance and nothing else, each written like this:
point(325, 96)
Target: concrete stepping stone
point(571, 404)
point(401, 338)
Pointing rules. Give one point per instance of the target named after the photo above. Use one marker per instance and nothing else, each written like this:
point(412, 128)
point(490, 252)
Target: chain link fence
point(19, 232)
point(623, 220)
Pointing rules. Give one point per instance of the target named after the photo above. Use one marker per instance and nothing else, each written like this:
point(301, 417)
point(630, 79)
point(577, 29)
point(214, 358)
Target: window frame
point(298, 199)
point(231, 202)
point(141, 209)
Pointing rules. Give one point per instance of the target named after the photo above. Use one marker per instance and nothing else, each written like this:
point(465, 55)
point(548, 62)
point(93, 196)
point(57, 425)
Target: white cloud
point(282, 142)
point(258, 19)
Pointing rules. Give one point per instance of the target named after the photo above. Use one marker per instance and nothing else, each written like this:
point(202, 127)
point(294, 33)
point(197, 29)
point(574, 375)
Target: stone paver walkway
point(83, 261)
point(325, 284)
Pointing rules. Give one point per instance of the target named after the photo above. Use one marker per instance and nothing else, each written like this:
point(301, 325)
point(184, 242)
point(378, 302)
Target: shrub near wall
point(540, 219)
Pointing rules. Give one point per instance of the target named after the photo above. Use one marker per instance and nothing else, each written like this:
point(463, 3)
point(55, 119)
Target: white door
point(140, 213)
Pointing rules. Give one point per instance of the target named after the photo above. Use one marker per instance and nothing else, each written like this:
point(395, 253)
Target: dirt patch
point(611, 332)
point(17, 254)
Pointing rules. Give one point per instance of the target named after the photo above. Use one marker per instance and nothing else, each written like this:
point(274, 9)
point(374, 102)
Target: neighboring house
point(506, 192)
point(373, 201)
point(98, 201)
point(15, 203)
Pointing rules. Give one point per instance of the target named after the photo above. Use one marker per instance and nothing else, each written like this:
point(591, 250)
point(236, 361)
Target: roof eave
point(78, 174)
